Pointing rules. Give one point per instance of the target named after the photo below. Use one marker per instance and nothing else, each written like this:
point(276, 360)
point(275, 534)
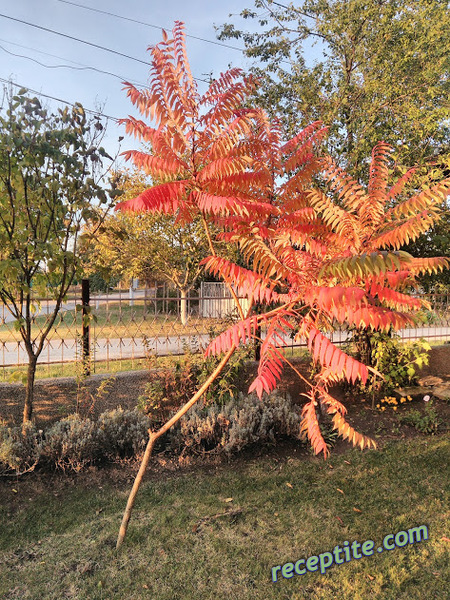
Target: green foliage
point(240, 422)
point(49, 183)
point(397, 362)
point(223, 389)
point(426, 421)
point(380, 73)
point(47, 166)
point(100, 282)
point(329, 434)
point(169, 388)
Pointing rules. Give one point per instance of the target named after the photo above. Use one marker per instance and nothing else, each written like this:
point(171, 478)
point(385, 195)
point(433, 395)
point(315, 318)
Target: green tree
point(48, 164)
point(148, 245)
point(435, 241)
point(382, 73)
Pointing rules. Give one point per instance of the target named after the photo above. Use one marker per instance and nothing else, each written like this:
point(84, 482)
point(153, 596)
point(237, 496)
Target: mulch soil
point(58, 397)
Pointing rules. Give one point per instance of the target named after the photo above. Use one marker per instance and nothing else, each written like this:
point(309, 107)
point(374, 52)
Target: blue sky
point(95, 89)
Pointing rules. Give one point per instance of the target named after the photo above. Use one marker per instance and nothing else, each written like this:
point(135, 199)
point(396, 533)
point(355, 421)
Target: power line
point(88, 110)
point(81, 68)
point(70, 37)
point(105, 12)
point(40, 51)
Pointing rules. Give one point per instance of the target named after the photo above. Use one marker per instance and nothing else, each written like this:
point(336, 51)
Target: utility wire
point(195, 37)
point(40, 51)
point(71, 37)
point(88, 110)
point(105, 12)
point(82, 68)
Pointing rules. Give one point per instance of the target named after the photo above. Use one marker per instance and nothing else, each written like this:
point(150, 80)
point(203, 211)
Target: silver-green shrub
point(124, 432)
point(239, 423)
point(73, 443)
point(20, 448)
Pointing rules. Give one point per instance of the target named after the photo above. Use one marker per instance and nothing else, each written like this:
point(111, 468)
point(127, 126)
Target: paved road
point(12, 353)
point(57, 351)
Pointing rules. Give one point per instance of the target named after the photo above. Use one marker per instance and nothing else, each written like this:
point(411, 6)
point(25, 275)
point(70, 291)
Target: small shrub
point(124, 432)
point(398, 362)
point(170, 388)
point(427, 421)
point(237, 424)
point(73, 443)
point(86, 400)
point(20, 448)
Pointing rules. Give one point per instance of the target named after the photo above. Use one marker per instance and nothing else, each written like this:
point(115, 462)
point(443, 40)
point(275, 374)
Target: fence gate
point(216, 301)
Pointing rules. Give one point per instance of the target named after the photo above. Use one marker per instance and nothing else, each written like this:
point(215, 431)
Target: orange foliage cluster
point(321, 249)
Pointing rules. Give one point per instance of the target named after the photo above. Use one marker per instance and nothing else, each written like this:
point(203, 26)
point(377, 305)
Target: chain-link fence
point(118, 325)
point(125, 325)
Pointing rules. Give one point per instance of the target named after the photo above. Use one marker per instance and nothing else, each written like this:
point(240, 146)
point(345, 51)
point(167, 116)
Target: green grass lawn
point(73, 369)
point(179, 549)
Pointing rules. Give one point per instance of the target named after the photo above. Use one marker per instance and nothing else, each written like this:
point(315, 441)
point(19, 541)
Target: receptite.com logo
point(349, 551)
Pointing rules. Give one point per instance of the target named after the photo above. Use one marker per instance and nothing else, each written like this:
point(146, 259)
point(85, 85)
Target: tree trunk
point(184, 307)
point(29, 394)
point(135, 488)
point(154, 435)
point(364, 346)
point(258, 342)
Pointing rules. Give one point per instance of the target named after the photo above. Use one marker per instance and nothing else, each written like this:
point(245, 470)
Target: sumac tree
point(319, 248)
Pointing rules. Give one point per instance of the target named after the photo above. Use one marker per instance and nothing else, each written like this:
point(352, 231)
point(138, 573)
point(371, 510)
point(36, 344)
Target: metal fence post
point(85, 299)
